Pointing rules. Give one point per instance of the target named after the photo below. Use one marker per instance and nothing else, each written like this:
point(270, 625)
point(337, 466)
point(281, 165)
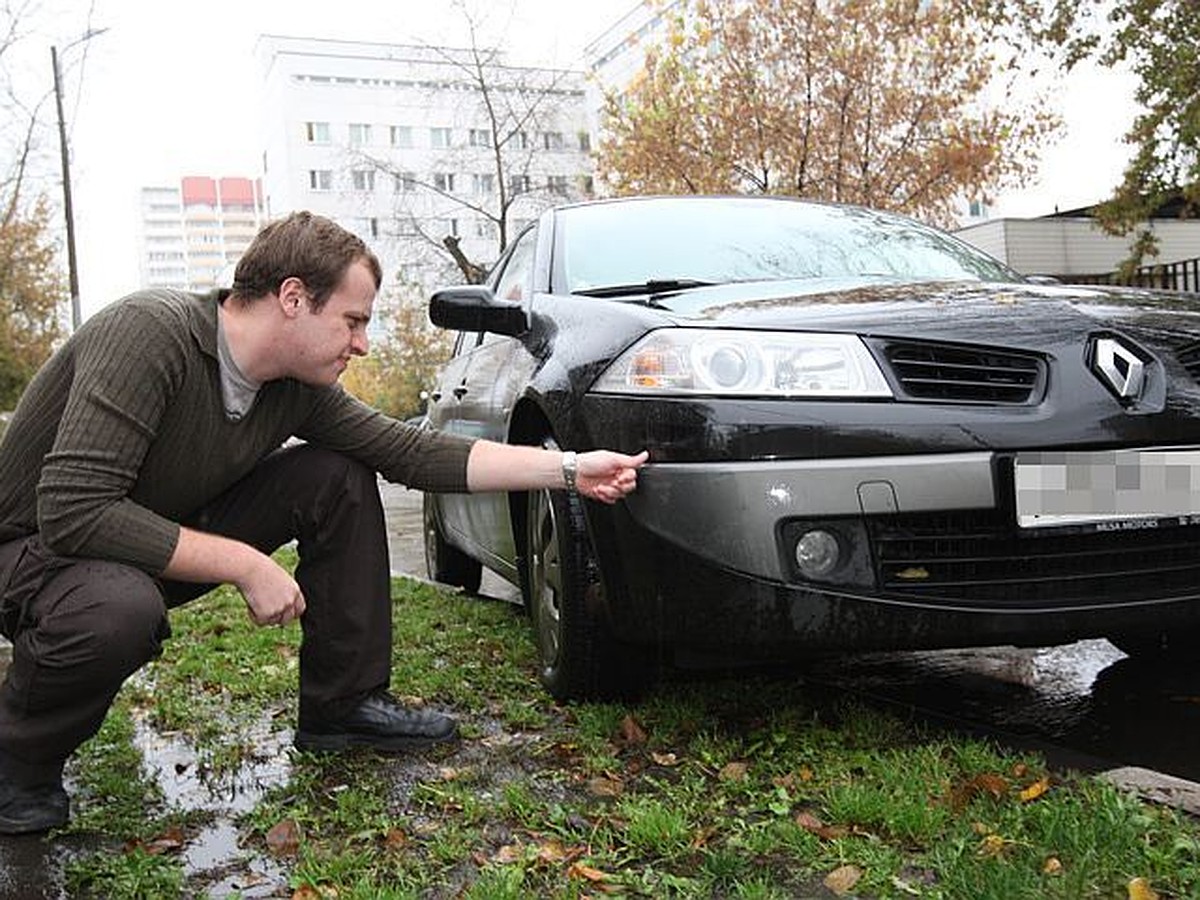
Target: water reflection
point(1086, 697)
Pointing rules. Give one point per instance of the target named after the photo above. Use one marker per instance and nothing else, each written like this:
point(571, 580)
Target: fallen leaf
point(632, 732)
point(980, 828)
point(1035, 790)
point(734, 771)
point(169, 841)
point(395, 839)
point(1052, 866)
point(508, 854)
point(605, 787)
point(553, 852)
point(579, 870)
point(1020, 770)
point(812, 824)
point(805, 773)
point(993, 846)
point(843, 879)
point(284, 838)
point(1139, 889)
point(664, 759)
point(994, 786)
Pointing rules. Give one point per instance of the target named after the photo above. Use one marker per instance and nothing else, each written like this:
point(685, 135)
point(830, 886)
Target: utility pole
point(65, 154)
point(68, 210)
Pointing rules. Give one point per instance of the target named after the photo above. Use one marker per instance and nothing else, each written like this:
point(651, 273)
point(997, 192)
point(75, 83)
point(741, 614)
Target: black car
point(864, 434)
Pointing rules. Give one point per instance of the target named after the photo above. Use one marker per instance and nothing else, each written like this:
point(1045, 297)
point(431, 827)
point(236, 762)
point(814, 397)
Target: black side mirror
point(474, 307)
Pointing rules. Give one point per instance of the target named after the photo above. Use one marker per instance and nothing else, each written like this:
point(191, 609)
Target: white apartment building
point(193, 233)
point(396, 143)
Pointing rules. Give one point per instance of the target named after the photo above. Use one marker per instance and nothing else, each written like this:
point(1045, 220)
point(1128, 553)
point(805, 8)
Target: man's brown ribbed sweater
point(122, 434)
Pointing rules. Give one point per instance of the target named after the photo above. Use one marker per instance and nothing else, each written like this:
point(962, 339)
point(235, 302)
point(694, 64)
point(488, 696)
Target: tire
point(443, 562)
point(578, 657)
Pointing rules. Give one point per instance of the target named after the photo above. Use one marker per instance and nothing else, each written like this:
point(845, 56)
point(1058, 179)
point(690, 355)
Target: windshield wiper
point(653, 287)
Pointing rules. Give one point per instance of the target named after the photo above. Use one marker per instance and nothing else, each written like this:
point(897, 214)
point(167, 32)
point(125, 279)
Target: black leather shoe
point(28, 809)
point(378, 722)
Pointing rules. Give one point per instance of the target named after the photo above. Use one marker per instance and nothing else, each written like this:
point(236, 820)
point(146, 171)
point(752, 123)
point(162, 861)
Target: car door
point(482, 390)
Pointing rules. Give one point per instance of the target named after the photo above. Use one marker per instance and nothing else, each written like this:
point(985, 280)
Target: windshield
point(720, 240)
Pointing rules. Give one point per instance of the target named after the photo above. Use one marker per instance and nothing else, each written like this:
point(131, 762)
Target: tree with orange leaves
point(891, 104)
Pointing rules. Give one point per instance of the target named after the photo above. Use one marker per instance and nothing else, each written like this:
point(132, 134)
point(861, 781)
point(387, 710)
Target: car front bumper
point(730, 513)
point(703, 555)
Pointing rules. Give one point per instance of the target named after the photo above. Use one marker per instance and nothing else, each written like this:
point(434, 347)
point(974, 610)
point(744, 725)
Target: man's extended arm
point(601, 474)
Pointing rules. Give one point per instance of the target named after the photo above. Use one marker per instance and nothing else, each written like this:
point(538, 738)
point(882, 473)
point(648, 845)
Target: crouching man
point(146, 463)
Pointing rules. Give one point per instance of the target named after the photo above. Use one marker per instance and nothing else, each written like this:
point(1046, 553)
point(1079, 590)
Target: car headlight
point(740, 363)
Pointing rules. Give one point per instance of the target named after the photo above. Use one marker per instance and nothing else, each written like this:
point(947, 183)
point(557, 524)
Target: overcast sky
point(171, 89)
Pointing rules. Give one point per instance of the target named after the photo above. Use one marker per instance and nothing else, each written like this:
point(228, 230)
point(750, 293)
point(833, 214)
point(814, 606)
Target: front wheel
point(446, 563)
point(579, 658)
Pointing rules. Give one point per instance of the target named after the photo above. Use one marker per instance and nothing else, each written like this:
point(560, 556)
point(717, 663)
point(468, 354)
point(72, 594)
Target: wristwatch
point(570, 469)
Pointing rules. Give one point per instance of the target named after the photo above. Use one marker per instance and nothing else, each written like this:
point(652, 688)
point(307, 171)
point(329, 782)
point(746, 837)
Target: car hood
point(1001, 313)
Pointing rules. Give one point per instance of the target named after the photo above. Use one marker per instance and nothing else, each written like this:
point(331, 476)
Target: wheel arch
point(528, 425)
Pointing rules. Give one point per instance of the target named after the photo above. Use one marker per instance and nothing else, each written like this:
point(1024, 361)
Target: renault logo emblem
point(1119, 367)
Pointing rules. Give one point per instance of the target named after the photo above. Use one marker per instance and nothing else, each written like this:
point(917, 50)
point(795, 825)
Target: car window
point(515, 279)
point(723, 240)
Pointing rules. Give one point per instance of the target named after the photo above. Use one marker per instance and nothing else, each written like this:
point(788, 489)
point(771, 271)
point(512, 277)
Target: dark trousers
point(80, 627)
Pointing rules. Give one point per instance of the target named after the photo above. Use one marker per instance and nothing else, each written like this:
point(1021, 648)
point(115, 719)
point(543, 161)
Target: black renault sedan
point(864, 434)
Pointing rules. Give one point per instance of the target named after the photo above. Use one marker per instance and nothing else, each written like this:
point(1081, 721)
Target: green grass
point(732, 788)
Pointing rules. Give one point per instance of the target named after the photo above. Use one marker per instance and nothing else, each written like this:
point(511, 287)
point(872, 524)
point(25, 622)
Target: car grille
point(980, 557)
point(962, 374)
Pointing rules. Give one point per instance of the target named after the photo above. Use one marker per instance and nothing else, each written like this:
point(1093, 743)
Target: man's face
point(326, 340)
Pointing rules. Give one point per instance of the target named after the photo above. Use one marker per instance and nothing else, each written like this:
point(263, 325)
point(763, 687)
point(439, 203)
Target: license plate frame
point(1107, 489)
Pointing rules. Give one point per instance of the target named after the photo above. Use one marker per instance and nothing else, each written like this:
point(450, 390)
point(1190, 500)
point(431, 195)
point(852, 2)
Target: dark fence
point(1183, 275)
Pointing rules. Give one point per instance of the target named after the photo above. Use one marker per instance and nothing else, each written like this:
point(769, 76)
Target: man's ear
point(292, 294)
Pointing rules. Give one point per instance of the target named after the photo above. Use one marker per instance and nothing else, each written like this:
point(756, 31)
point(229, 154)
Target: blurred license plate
point(1120, 488)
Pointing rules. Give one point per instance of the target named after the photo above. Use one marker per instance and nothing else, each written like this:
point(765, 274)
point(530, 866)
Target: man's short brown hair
point(302, 245)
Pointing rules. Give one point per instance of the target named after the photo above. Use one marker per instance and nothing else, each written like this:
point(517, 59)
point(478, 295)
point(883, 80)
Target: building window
point(552, 140)
point(557, 184)
point(320, 180)
point(363, 179)
point(443, 181)
point(404, 182)
point(401, 136)
point(519, 184)
point(483, 184)
point(978, 209)
point(523, 140)
point(587, 186)
point(439, 138)
point(485, 228)
point(585, 141)
point(360, 134)
point(480, 137)
point(366, 228)
point(316, 132)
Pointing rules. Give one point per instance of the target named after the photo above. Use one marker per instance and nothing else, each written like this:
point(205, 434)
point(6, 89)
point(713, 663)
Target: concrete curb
point(1156, 787)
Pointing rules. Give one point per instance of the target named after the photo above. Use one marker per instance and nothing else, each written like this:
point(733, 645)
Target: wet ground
point(1086, 705)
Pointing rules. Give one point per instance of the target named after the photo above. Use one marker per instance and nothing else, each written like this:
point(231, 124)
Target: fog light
point(817, 553)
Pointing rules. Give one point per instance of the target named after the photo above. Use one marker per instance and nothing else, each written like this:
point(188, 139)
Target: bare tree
point(519, 146)
point(32, 288)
